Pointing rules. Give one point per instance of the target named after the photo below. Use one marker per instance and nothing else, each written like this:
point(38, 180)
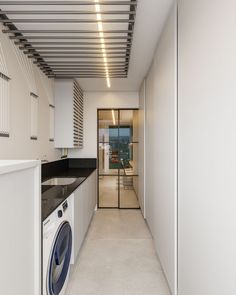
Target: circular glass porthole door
point(60, 259)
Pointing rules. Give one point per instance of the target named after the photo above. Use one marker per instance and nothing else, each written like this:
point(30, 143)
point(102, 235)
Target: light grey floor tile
point(121, 261)
point(121, 224)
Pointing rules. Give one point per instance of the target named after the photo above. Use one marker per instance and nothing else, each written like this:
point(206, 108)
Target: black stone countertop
point(54, 195)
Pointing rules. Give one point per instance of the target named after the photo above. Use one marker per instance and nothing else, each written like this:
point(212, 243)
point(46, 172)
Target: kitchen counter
point(54, 195)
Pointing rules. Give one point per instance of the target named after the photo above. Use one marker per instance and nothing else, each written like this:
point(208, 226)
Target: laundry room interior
point(117, 147)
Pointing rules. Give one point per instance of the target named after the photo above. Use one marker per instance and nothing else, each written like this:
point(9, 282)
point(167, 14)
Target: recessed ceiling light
point(100, 26)
point(103, 47)
point(97, 7)
point(113, 117)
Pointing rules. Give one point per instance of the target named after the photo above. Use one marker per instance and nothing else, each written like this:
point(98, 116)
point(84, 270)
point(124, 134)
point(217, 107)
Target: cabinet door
point(92, 193)
point(68, 114)
point(86, 209)
point(89, 196)
point(78, 221)
point(84, 205)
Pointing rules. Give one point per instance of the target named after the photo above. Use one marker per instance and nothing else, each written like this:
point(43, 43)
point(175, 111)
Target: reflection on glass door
point(118, 158)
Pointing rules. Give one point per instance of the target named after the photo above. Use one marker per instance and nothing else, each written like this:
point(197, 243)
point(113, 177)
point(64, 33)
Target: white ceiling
point(150, 19)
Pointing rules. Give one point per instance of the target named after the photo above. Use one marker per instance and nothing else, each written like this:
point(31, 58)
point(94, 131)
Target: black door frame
point(110, 109)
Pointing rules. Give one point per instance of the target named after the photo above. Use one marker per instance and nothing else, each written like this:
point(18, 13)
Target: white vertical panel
point(3, 64)
point(160, 150)
point(21, 227)
point(51, 122)
point(34, 116)
point(4, 96)
point(26, 66)
point(47, 84)
point(207, 147)
point(4, 105)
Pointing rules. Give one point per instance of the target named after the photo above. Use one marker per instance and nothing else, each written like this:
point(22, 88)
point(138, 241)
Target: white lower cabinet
point(20, 229)
point(78, 222)
point(85, 200)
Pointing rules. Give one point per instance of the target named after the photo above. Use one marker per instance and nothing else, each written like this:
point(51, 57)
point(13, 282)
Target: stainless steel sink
point(60, 181)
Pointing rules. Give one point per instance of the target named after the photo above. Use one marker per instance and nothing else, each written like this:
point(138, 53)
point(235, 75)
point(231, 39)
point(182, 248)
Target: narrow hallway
point(117, 258)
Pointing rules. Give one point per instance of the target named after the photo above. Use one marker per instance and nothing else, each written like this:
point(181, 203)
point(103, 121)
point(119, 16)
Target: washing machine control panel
point(59, 213)
point(64, 206)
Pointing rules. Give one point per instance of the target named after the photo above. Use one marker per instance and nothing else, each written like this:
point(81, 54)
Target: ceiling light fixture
point(103, 47)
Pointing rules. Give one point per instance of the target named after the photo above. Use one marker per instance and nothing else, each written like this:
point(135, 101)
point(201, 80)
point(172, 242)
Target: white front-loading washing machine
point(57, 249)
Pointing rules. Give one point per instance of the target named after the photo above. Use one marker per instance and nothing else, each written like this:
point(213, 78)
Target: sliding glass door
point(118, 158)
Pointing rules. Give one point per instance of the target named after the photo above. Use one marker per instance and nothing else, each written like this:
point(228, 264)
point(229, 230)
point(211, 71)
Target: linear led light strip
point(101, 34)
point(113, 117)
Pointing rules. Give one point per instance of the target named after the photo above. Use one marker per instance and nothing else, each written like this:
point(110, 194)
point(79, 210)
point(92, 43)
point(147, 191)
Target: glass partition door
point(118, 158)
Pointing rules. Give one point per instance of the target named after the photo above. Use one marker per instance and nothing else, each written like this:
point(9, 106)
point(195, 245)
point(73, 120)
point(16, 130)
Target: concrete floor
point(117, 258)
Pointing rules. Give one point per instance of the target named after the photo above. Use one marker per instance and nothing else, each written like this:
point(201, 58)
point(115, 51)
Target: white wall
point(207, 147)
point(26, 78)
point(92, 102)
point(160, 149)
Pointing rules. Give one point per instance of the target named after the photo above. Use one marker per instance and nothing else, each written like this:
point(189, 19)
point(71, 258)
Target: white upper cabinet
point(68, 114)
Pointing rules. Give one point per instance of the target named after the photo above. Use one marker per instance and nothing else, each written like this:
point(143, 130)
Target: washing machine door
point(59, 262)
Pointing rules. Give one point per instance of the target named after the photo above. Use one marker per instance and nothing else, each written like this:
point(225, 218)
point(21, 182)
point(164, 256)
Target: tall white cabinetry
point(207, 147)
point(68, 114)
point(85, 200)
point(20, 228)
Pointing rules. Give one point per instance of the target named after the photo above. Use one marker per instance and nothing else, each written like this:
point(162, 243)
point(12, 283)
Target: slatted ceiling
point(68, 34)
